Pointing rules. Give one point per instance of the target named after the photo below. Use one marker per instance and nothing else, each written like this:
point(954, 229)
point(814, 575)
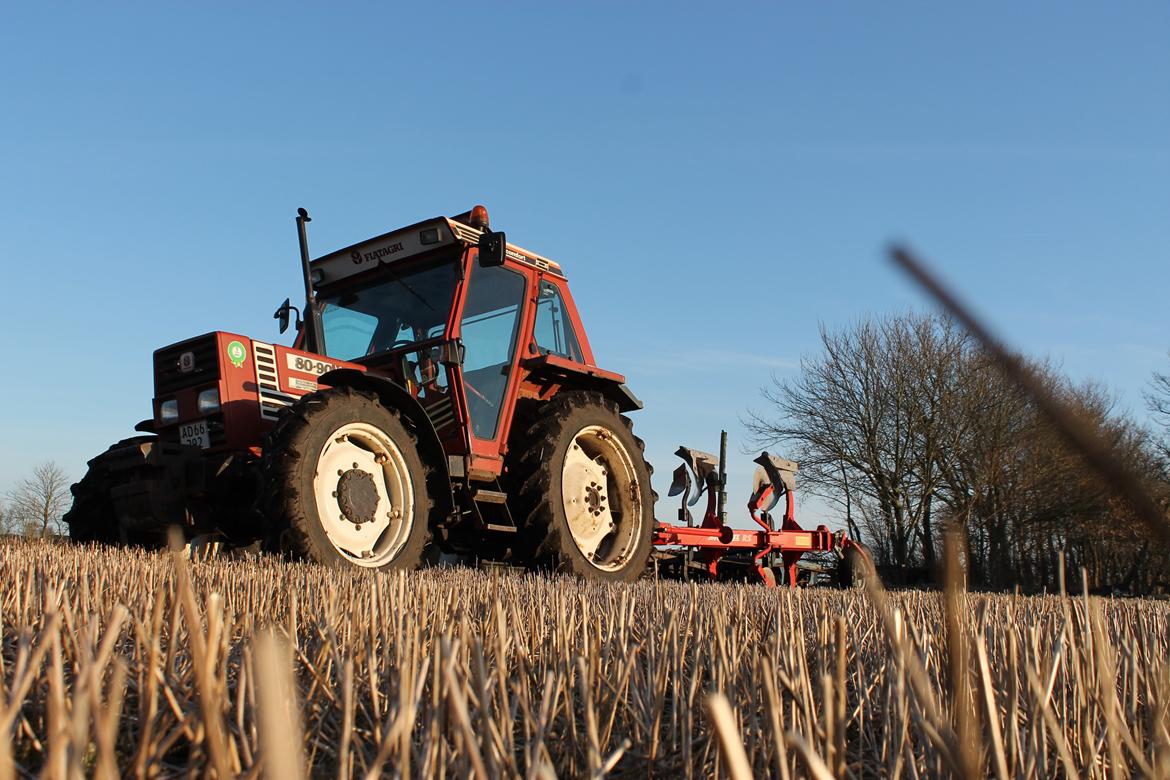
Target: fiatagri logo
point(368, 257)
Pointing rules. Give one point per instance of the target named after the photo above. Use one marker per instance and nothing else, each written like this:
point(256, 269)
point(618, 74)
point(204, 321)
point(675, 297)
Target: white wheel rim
point(602, 498)
point(357, 448)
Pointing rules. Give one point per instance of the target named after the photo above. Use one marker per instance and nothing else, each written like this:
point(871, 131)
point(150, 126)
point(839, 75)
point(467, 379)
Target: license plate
point(195, 434)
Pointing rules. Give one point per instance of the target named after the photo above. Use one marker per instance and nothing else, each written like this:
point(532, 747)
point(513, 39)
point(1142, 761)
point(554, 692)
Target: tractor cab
point(462, 320)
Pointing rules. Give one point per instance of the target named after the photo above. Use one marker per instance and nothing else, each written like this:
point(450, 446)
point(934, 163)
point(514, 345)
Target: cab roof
point(410, 241)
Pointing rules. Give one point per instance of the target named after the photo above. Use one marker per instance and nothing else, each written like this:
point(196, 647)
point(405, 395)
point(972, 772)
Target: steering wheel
point(397, 344)
point(478, 394)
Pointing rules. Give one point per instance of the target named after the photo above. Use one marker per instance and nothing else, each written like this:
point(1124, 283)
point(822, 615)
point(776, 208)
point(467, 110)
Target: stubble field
point(123, 663)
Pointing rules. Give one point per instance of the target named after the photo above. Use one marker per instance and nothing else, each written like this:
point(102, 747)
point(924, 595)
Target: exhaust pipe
point(314, 340)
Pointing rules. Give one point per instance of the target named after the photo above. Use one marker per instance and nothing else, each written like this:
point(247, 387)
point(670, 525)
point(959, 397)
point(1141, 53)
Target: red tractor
point(440, 396)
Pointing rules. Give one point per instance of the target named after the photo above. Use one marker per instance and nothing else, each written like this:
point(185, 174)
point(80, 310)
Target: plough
point(717, 551)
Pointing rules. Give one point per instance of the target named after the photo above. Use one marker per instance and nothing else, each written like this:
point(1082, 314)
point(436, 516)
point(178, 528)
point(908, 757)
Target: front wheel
point(584, 490)
point(344, 483)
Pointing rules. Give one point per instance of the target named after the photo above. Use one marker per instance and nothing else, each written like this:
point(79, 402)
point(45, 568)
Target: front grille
point(272, 398)
point(169, 375)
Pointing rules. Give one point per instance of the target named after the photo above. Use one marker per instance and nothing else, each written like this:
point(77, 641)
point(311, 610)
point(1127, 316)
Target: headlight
point(168, 411)
point(209, 401)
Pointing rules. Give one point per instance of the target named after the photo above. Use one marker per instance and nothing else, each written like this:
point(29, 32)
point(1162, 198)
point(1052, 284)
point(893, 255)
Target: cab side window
point(554, 331)
point(490, 329)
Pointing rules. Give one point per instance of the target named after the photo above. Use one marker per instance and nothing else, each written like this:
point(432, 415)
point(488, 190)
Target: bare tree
point(1158, 401)
point(37, 503)
point(905, 423)
point(864, 421)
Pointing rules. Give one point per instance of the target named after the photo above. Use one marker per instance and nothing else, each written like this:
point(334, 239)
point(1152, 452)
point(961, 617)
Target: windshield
point(401, 308)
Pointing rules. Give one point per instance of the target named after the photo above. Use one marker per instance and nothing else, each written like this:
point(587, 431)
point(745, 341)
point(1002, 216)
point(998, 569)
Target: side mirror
point(493, 248)
point(282, 315)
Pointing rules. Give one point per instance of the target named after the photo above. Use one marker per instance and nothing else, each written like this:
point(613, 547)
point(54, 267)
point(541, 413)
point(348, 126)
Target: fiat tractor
point(440, 396)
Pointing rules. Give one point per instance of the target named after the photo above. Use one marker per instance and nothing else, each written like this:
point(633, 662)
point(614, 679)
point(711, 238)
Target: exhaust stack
point(313, 341)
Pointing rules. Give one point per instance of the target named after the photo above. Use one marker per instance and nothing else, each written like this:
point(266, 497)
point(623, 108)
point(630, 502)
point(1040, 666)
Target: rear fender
point(613, 391)
point(573, 375)
point(394, 396)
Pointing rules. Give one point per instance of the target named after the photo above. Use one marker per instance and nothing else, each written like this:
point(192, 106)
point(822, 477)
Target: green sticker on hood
point(237, 353)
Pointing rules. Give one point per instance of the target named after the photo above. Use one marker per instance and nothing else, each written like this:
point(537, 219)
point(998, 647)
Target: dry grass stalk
point(281, 735)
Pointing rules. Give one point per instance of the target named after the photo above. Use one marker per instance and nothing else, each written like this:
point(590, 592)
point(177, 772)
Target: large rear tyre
point(583, 490)
point(92, 517)
point(344, 484)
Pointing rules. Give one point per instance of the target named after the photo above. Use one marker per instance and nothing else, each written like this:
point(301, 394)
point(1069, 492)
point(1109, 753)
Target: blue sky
point(716, 180)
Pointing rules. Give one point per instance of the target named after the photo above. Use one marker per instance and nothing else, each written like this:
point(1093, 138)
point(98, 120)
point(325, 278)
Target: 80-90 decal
point(307, 365)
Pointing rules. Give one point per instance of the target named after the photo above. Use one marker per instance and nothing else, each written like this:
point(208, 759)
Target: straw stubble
point(116, 662)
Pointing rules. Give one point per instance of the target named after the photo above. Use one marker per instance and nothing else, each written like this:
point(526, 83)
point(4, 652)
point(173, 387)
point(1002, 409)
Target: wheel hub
point(594, 498)
point(357, 496)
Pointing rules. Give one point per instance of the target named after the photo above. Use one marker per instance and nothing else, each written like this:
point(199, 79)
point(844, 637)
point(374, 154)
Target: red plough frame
point(712, 540)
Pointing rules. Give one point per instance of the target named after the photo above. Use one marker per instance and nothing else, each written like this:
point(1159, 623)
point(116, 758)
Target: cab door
point(492, 324)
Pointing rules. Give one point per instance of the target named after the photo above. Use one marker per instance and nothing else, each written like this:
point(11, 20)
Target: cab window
point(401, 307)
point(490, 325)
point(553, 331)
point(349, 331)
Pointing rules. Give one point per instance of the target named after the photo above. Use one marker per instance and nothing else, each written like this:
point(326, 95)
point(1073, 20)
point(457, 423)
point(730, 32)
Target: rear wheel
point(92, 517)
point(344, 483)
point(584, 490)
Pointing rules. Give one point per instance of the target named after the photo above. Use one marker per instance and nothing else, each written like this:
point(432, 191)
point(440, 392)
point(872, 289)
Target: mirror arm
point(281, 314)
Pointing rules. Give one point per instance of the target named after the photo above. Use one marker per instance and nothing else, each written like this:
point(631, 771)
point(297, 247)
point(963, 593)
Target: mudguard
point(609, 384)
